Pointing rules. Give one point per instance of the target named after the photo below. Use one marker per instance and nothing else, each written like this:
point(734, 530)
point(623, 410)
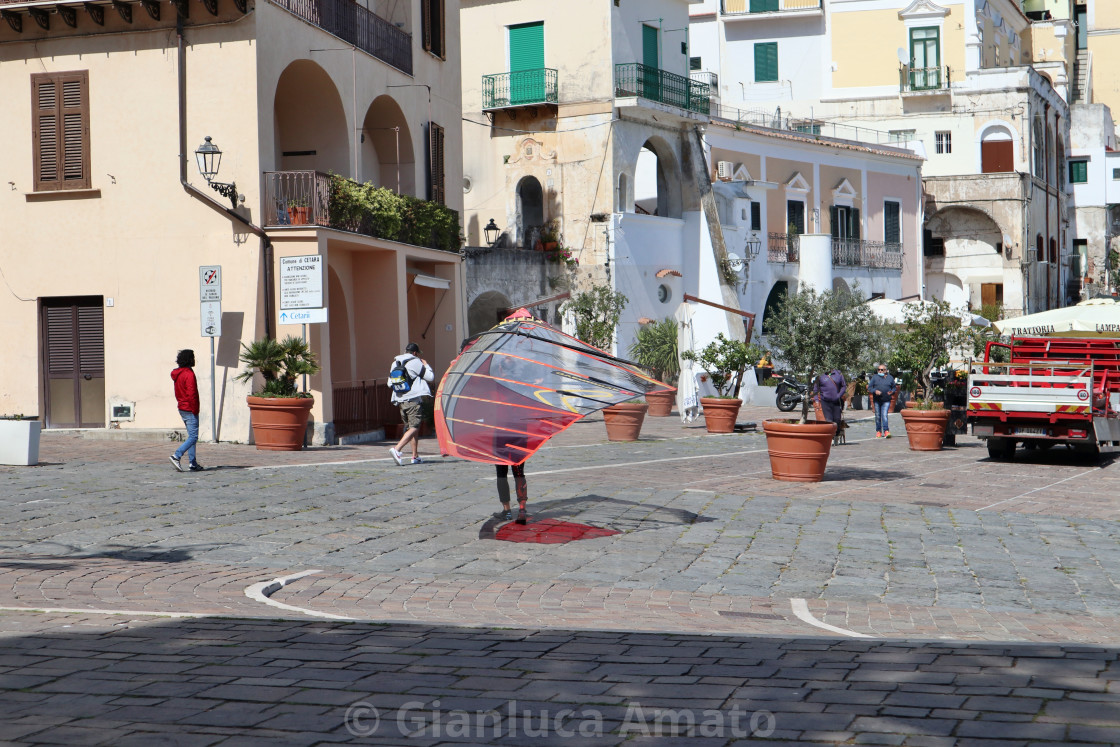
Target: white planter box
point(764, 395)
point(19, 442)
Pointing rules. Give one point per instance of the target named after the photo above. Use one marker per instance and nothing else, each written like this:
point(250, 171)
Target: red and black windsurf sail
point(521, 383)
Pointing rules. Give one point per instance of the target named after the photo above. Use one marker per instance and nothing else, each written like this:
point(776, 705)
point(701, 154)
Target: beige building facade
point(111, 219)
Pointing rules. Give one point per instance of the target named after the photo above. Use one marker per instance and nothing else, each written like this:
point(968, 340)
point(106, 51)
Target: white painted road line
point(801, 612)
point(265, 589)
point(1044, 487)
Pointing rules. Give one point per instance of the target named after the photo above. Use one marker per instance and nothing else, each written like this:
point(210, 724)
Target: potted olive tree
point(725, 361)
point(932, 329)
point(278, 411)
point(596, 313)
point(814, 333)
point(655, 347)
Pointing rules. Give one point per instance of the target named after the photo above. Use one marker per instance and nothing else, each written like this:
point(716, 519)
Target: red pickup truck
point(1047, 390)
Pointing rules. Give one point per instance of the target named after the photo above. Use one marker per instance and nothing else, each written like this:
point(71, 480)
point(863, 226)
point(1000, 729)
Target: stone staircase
point(1080, 91)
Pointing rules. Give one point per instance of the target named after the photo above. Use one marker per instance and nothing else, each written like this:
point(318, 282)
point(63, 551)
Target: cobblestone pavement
point(909, 598)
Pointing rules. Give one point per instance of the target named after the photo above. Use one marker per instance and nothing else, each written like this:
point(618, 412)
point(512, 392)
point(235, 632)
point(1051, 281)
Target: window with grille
point(60, 130)
point(434, 27)
point(943, 141)
point(435, 164)
point(1078, 172)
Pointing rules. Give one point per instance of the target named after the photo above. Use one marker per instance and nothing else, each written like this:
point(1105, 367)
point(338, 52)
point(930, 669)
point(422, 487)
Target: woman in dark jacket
point(186, 397)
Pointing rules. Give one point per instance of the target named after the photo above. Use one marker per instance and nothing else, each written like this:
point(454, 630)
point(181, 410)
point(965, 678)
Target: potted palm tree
point(814, 333)
point(278, 411)
point(725, 362)
point(596, 313)
point(655, 347)
point(932, 330)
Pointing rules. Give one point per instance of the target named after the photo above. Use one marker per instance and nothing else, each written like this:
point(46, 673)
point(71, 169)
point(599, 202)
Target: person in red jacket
point(186, 396)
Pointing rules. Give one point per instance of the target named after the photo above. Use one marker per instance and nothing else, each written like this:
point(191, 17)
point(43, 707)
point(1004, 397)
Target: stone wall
point(508, 278)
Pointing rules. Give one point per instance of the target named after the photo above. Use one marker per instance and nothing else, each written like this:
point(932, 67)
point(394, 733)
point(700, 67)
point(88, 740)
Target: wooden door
point(74, 361)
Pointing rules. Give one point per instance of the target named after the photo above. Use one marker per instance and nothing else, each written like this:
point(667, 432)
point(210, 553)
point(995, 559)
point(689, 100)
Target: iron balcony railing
point(636, 79)
point(356, 25)
point(312, 198)
point(520, 88)
point(732, 7)
point(917, 79)
point(783, 247)
point(363, 406)
point(860, 253)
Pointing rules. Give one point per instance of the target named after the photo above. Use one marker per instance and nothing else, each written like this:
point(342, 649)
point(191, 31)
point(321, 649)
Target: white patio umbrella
point(890, 310)
point(1097, 317)
point(688, 402)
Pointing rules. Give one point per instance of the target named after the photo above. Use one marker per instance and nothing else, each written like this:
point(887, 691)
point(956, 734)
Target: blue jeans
point(881, 410)
point(191, 421)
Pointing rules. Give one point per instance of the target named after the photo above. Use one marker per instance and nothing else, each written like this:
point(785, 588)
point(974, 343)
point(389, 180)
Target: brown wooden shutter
point(61, 347)
point(60, 130)
point(435, 160)
point(440, 26)
point(426, 24)
point(997, 156)
point(91, 339)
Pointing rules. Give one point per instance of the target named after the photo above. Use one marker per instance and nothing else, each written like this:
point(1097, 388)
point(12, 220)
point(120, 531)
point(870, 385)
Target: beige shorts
point(411, 412)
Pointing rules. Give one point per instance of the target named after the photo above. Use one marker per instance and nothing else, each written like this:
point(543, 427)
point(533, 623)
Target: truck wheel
point(1001, 449)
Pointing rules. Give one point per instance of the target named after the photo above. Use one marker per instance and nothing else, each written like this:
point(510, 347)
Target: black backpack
point(400, 379)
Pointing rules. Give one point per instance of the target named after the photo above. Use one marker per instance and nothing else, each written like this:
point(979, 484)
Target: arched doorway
point(530, 211)
point(657, 180)
point(388, 159)
point(483, 311)
point(774, 301)
point(311, 131)
point(972, 270)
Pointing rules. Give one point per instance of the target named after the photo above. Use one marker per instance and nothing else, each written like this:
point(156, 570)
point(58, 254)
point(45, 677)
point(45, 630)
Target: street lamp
point(209, 157)
point(492, 232)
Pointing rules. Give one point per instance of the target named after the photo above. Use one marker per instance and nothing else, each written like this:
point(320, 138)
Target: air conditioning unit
point(725, 170)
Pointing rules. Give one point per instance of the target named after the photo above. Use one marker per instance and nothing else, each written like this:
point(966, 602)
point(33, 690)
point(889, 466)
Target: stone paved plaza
point(331, 596)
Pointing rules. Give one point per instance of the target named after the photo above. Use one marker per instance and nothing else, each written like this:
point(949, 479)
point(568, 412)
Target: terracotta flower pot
point(798, 453)
point(279, 423)
point(720, 414)
point(925, 428)
point(624, 420)
point(661, 403)
point(299, 215)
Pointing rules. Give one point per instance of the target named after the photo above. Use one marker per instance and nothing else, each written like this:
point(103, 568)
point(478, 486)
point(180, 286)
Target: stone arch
point(774, 300)
point(310, 121)
point(972, 239)
point(657, 180)
point(947, 286)
point(388, 156)
point(529, 211)
point(341, 336)
point(483, 311)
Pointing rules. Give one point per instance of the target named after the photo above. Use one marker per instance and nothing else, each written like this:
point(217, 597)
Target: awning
point(430, 281)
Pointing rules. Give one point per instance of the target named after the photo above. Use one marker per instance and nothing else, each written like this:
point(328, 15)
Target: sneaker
point(887, 434)
point(522, 517)
point(417, 460)
point(878, 434)
point(175, 462)
point(506, 515)
point(397, 456)
point(196, 467)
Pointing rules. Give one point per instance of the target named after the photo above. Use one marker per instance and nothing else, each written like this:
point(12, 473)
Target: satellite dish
point(902, 56)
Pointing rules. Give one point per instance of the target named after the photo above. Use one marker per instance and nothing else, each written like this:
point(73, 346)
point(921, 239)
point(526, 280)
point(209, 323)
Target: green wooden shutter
point(834, 221)
point(892, 232)
point(765, 62)
point(526, 63)
point(764, 6)
point(854, 225)
point(650, 51)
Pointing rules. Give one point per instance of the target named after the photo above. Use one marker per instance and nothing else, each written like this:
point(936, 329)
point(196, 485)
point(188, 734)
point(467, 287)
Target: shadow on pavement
point(111, 680)
point(617, 515)
point(70, 557)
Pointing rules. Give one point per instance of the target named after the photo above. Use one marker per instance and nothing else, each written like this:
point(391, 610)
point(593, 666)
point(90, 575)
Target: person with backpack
point(409, 377)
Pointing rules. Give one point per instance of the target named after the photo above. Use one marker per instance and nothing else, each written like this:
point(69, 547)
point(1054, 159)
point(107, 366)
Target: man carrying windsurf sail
point(518, 384)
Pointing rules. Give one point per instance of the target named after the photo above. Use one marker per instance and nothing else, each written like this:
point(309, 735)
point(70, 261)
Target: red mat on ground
point(550, 532)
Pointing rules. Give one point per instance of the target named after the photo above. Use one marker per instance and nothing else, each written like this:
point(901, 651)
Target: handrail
point(749, 317)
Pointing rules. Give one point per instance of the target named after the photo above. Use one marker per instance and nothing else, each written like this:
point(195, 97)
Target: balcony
point(873, 254)
point(356, 25)
point(783, 247)
point(923, 80)
point(520, 88)
point(739, 9)
point(652, 84)
point(312, 198)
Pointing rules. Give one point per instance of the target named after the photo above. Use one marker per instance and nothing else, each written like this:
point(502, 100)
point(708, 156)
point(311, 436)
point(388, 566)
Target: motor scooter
point(789, 394)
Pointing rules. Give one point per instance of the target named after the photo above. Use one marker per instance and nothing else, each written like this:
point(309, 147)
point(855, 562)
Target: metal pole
point(213, 398)
point(304, 333)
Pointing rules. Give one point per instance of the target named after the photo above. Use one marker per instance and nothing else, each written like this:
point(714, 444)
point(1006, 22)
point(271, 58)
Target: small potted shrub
point(724, 361)
point(932, 330)
point(596, 313)
point(655, 347)
point(278, 411)
point(813, 334)
point(299, 211)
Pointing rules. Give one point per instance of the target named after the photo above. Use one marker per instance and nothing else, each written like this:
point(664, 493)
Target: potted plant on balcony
point(278, 412)
point(724, 361)
point(19, 440)
point(596, 313)
point(299, 211)
point(932, 330)
point(813, 333)
point(655, 347)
